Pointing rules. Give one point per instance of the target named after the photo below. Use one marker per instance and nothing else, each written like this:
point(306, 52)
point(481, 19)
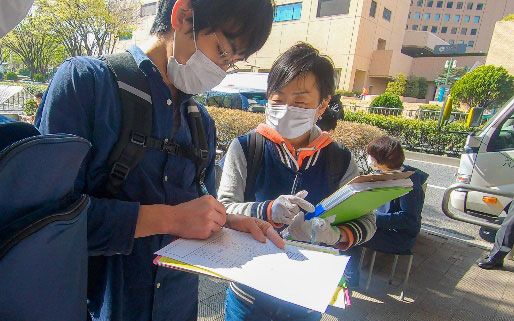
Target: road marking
point(436, 187)
point(415, 160)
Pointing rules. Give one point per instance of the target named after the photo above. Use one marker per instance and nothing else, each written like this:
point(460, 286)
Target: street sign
point(450, 49)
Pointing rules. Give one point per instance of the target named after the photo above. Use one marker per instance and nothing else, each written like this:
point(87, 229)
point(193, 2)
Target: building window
point(437, 17)
point(454, 31)
point(387, 14)
point(444, 29)
point(373, 9)
point(439, 4)
point(473, 32)
point(471, 43)
point(434, 29)
point(464, 31)
point(470, 5)
point(430, 4)
point(149, 9)
point(333, 7)
point(466, 18)
point(480, 6)
point(425, 28)
point(456, 18)
point(451, 41)
point(476, 19)
point(417, 15)
point(426, 16)
point(449, 4)
point(420, 3)
point(460, 5)
point(414, 27)
point(288, 12)
point(446, 17)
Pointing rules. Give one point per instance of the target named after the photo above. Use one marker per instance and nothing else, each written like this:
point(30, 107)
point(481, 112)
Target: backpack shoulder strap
point(200, 150)
point(253, 162)
point(338, 162)
point(136, 125)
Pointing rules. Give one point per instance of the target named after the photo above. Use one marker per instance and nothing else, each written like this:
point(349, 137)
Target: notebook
point(291, 274)
point(361, 196)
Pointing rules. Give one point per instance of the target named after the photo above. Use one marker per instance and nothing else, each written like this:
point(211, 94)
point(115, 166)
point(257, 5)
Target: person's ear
point(324, 106)
point(180, 15)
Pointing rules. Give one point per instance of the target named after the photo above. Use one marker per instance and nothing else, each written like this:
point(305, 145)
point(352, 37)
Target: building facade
point(502, 44)
point(366, 39)
point(459, 22)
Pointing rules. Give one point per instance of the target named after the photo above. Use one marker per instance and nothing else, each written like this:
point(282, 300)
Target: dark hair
point(38, 94)
point(387, 151)
point(334, 111)
point(248, 21)
point(298, 61)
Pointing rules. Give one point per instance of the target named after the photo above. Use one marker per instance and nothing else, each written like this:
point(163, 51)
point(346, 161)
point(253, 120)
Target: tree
point(90, 27)
point(397, 86)
point(486, 86)
point(33, 42)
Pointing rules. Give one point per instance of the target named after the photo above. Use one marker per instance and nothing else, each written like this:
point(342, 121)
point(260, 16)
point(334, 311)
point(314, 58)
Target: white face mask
point(11, 13)
point(291, 122)
point(198, 75)
point(371, 162)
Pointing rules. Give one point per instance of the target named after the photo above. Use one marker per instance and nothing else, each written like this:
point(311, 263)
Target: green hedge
point(415, 134)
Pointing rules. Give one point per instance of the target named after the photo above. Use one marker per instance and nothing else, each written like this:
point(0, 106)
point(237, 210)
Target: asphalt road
point(442, 172)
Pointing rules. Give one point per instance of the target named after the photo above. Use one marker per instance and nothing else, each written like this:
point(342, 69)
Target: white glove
point(285, 207)
point(316, 230)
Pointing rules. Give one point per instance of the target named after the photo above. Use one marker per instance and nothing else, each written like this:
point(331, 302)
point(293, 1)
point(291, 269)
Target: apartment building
point(349, 31)
point(459, 22)
point(366, 39)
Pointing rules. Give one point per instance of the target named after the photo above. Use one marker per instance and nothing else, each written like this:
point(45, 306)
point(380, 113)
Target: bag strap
point(338, 162)
point(253, 163)
point(136, 128)
point(136, 125)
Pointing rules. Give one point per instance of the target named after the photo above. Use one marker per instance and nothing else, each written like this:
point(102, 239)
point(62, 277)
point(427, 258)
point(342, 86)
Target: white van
point(487, 163)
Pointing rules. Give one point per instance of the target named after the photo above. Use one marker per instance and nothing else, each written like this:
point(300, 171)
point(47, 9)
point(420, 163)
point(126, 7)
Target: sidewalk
point(445, 284)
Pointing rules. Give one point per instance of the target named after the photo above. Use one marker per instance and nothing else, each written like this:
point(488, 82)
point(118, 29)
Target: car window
point(503, 139)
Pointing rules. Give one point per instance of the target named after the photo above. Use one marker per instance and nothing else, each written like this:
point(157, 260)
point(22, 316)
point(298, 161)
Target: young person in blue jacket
point(399, 221)
point(295, 174)
point(196, 42)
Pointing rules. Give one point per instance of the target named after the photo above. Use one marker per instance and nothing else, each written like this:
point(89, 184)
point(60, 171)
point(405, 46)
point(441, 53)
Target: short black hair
point(38, 94)
point(298, 61)
point(248, 21)
point(387, 151)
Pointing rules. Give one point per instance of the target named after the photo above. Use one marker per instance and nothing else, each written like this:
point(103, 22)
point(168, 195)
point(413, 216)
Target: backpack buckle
point(204, 154)
point(170, 148)
point(119, 171)
point(138, 139)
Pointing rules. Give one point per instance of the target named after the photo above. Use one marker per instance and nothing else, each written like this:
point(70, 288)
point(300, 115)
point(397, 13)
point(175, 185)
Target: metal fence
point(14, 104)
point(414, 114)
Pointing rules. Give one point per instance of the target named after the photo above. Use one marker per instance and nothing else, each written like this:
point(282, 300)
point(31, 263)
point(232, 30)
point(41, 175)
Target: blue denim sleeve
point(408, 216)
point(82, 100)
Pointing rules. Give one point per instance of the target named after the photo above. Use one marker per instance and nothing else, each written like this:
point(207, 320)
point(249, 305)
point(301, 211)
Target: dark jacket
point(399, 221)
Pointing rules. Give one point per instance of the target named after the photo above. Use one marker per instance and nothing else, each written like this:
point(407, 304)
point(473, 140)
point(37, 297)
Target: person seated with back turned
point(399, 221)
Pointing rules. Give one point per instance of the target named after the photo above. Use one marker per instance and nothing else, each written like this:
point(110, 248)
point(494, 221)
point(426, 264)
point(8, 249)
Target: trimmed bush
point(415, 134)
point(398, 86)
point(232, 123)
point(387, 100)
point(30, 107)
point(39, 78)
point(11, 75)
point(430, 107)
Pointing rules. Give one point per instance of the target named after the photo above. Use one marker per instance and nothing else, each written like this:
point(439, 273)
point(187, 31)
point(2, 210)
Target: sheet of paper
point(301, 276)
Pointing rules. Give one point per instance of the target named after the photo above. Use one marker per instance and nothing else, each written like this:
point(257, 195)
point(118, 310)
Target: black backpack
point(339, 160)
point(136, 129)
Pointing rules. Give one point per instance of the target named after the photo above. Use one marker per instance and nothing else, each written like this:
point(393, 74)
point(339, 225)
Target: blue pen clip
point(318, 211)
